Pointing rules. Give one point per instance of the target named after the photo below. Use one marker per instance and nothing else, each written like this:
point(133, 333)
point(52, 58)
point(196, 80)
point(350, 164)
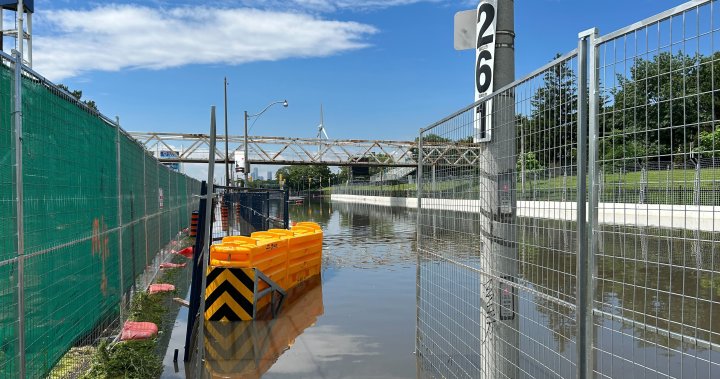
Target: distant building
point(255, 173)
point(269, 175)
point(168, 154)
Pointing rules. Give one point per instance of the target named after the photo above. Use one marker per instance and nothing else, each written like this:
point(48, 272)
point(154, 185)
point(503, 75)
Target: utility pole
point(227, 158)
point(246, 167)
point(499, 255)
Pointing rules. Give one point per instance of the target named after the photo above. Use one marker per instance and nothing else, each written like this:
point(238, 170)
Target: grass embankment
point(658, 179)
point(131, 359)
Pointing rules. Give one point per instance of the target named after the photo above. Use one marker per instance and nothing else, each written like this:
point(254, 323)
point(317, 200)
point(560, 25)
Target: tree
point(551, 130)
point(709, 146)
point(305, 176)
point(666, 103)
point(344, 175)
point(529, 162)
point(78, 95)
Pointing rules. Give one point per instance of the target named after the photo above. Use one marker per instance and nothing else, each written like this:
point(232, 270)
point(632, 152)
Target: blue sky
point(382, 68)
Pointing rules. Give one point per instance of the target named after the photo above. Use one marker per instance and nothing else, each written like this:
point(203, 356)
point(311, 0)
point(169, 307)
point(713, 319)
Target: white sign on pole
point(239, 160)
point(465, 36)
point(484, 67)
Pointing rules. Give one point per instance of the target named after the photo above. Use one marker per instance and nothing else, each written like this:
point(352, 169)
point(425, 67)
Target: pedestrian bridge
point(195, 148)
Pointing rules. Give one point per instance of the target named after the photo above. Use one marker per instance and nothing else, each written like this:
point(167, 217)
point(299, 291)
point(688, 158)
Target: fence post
point(418, 225)
point(643, 185)
point(587, 125)
point(168, 196)
point(145, 222)
point(434, 180)
point(286, 210)
point(159, 218)
point(120, 215)
point(196, 272)
point(696, 185)
point(667, 187)
point(20, 217)
point(207, 239)
point(418, 185)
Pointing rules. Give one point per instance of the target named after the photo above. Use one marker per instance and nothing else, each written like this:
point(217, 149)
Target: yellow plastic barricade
point(305, 257)
point(286, 257)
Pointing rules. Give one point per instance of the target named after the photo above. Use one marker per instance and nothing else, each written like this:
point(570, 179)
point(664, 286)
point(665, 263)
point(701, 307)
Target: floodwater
point(356, 321)
point(363, 316)
point(361, 319)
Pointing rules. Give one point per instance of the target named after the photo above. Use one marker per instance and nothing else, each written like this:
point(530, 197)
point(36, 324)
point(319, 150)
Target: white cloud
point(331, 5)
point(118, 37)
point(321, 344)
point(312, 5)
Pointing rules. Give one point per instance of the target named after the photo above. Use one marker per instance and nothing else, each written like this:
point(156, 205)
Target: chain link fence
point(498, 277)
point(581, 239)
point(242, 211)
point(84, 212)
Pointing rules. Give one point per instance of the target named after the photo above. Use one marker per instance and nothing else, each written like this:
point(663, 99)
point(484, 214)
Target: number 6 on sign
point(484, 67)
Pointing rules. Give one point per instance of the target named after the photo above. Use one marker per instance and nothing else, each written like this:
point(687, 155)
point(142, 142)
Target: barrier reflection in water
point(248, 349)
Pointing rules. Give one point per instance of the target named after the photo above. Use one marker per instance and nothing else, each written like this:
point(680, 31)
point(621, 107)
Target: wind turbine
point(321, 127)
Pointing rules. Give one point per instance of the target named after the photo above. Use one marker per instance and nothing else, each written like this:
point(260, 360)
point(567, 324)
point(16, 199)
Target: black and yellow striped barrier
point(230, 294)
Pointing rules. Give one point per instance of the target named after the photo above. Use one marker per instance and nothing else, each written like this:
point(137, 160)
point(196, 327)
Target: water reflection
point(656, 292)
point(362, 235)
point(249, 349)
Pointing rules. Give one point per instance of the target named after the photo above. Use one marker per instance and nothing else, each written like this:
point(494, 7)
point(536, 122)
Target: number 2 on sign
point(483, 65)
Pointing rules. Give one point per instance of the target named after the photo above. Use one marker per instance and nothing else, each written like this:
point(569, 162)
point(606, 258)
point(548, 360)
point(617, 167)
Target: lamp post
point(227, 158)
point(247, 117)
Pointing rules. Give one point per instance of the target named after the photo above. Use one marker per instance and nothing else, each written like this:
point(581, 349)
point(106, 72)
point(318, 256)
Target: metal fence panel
point(71, 282)
point(85, 221)
point(8, 231)
point(497, 275)
point(242, 211)
point(657, 269)
point(497, 243)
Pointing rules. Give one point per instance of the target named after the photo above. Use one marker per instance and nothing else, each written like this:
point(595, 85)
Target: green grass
point(655, 179)
point(130, 360)
point(138, 359)
point(74, 362)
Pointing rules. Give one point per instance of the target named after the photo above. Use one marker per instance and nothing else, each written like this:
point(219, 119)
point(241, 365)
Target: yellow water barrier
point(243, 270)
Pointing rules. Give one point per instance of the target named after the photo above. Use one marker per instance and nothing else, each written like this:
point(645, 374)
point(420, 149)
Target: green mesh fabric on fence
point(75, 223)
point(132, 160)
point(70, 186)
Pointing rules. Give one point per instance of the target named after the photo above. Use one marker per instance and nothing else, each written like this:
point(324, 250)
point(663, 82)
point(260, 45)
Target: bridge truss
point(195, 148)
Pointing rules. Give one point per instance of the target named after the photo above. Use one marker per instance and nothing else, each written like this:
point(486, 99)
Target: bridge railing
point(584, 242)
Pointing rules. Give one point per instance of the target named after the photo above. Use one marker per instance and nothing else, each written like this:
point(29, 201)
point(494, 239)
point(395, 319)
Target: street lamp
point(247, 117)
point(227, 158)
